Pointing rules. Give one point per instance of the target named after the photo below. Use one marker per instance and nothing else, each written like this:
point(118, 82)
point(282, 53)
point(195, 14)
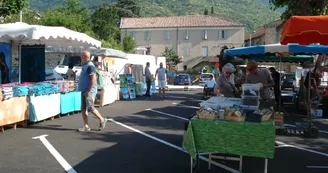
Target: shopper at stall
point(225, 84)
point(162, 73)
point(129, 69)
point(88, 87)
point(71, 75)
point(260, 76)
point(148, 79)
point(277, 91)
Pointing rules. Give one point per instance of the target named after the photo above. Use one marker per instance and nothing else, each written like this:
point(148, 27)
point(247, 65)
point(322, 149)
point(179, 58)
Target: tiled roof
point(177, 21)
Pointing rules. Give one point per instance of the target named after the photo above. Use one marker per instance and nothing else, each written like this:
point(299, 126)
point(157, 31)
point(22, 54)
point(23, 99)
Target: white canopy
point(107, 52)
point(56, 39)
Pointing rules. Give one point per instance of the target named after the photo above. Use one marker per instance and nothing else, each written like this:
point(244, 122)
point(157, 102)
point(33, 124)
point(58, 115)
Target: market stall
point(240, 127)
point(108, 69)
point(282, 52)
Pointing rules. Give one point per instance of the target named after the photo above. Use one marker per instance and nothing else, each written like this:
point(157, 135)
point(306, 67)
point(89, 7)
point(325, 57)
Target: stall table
point(14, 110)
point(44, 107)
point(237, 138)
point(70, 102)
point(109, 95)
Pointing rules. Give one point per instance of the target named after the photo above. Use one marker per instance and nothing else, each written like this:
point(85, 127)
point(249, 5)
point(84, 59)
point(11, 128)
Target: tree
point(212, 10)
point(301, 7)
point(128, 8)
point(171, 56)
point(205, 11)
point(112, 43)
point(73, 15)
point(129, 44)
point(10, 7)
point(29, 17)
point(104, 22)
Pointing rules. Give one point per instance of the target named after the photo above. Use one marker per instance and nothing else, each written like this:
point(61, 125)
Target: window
point(186, 35)
point(222, 35)
point(186, 51)
point(133, 34)
point(205, 35)
point(147, 35)
point(205, 51)
point(167, 35)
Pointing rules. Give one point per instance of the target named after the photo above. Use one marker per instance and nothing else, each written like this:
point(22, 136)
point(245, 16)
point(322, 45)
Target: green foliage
point(171, 56)
point(212, 10)
point(301, 7)
point(29, 17)
point(11, 7)
point(205, 11)
point(128, 8)
point(129, 44)
point(73, 15)
point(111, 43)
point(104, 22)
point(252, 13)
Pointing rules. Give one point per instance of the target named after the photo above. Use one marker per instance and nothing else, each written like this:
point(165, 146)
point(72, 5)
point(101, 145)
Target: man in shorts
point(88, 87)
point(162, 73)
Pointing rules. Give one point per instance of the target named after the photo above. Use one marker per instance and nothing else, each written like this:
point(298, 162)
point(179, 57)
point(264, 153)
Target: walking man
point(88, 87)
point(162, 73)
point(148, 79)
point(277, 82)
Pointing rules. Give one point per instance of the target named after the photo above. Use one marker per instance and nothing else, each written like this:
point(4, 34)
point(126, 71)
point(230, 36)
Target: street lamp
point(250, 38)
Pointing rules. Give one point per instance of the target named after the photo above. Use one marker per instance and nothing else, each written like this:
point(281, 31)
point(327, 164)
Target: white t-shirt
point(211, 84)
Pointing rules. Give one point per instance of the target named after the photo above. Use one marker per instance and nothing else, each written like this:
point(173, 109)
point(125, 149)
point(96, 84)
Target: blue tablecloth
point(44, 107)
point(70, 102)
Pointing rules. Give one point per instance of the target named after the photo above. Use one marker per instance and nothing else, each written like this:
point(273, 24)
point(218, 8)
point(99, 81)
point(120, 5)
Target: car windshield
point(75, 60)
point(206, 75)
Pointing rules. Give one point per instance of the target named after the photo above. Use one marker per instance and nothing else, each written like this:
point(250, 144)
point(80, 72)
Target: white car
point(204, 77)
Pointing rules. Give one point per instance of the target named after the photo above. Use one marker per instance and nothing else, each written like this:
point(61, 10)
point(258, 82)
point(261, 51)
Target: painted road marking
point(167, 114)
point(179, 104)
point(278, 142)
point(68, 168)
point(321, 131)
point(171, 145)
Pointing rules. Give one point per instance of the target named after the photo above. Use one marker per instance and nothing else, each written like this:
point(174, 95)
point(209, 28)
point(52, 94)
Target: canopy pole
point(20, 62)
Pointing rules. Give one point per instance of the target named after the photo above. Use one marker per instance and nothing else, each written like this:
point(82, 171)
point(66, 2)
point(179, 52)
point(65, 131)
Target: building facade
point(190, 36)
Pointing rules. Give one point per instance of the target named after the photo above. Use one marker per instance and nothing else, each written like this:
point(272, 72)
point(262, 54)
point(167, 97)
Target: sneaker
point(102, 125)
point(84, 129)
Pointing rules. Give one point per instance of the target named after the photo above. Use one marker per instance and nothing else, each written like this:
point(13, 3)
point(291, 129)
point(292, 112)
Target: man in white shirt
point(211, 83)
point(162, 73)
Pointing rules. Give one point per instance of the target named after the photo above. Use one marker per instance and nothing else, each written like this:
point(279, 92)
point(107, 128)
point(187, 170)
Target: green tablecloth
point(239, 138)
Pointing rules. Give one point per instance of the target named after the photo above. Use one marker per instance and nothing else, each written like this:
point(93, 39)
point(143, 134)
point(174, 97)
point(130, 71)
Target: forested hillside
point(252, 13)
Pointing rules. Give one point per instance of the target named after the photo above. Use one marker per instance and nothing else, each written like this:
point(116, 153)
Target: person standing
point(277, 91)
point(256, 75)
point(162, 73)
point(225, 83)
point(88, 87)
point(148, 79)
point(71, 75)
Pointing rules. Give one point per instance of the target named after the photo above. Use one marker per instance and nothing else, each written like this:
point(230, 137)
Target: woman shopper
point(225, 84)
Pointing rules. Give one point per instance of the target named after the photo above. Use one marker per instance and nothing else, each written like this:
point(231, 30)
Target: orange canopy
point(305, 30)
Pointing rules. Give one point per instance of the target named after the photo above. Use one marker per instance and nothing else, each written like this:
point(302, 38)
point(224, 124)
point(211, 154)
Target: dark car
point(182, 79)
point(288, 80)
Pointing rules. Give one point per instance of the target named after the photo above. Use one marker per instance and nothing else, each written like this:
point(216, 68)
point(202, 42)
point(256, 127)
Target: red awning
point(305, 30)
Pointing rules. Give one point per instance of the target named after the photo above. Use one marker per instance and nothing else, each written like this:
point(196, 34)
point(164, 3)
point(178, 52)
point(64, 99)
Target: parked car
point(182, 79)
point(51, 74)
point(204, 77)
point(288, 81)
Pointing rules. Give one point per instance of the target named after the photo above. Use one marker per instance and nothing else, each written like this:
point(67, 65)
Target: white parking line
point(167, 114)
point(171, 145)
point(278, 142)
point(179, 104)
point(68, 168)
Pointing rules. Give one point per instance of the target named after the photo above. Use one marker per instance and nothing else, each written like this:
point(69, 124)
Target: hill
point(252, 13)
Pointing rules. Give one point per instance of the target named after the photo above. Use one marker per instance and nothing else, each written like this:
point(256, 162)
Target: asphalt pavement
point(141, 136)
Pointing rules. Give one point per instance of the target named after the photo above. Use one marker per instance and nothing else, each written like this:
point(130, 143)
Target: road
point(141, 136)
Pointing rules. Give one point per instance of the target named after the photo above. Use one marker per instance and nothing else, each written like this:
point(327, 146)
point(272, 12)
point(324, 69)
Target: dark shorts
point(88, 100)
